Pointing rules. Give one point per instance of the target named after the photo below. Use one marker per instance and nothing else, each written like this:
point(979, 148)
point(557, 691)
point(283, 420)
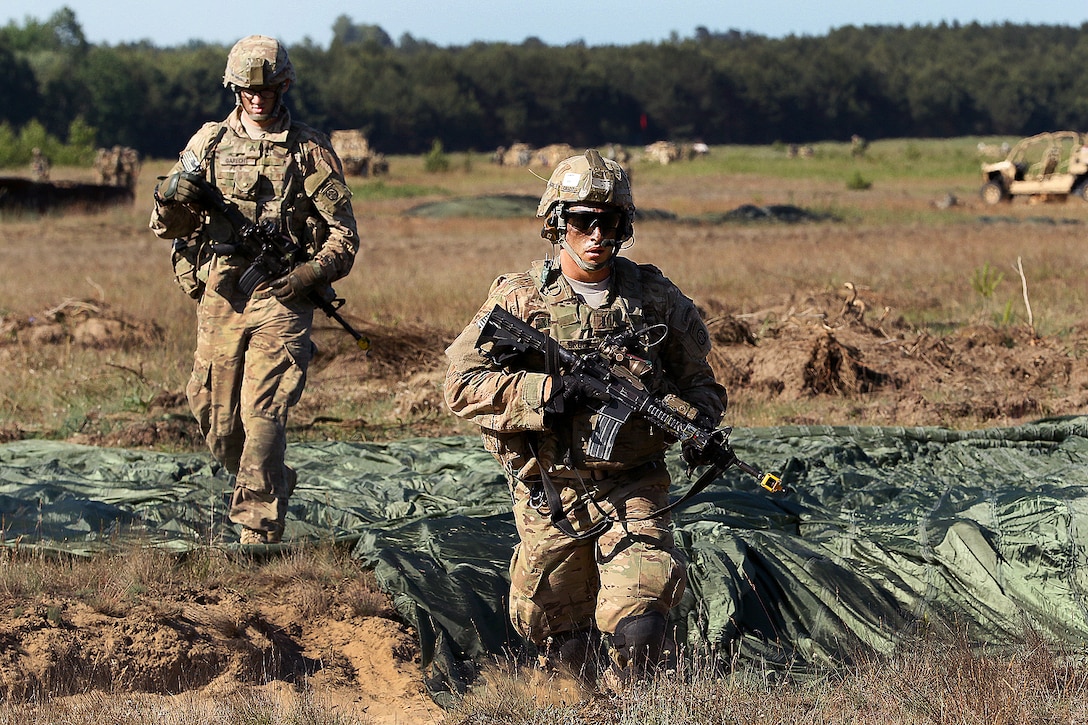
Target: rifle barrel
point(360, 339)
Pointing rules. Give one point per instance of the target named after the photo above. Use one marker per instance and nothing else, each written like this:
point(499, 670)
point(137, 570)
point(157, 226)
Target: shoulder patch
point(650, 269)
point(308, 134)
point(509, 283)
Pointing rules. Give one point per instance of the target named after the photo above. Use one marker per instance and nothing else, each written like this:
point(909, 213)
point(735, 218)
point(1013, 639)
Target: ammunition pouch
point(190, 267)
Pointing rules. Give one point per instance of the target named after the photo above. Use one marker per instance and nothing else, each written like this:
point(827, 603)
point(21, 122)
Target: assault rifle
point(617, 394)
point(273, 253)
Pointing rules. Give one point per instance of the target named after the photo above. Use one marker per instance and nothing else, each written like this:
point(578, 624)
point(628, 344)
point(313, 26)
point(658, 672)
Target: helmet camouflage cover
point(257, 61)
point(586, 179)
point(590, 179)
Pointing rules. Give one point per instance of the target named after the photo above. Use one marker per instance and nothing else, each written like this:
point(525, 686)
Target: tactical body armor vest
point(580, 328)
point(265, 178)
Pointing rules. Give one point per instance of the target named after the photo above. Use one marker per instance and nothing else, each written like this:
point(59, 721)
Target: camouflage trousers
point(559, 584)
point(248, 370)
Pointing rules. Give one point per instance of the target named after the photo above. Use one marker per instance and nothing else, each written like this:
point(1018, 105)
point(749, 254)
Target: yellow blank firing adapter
point(772, 483)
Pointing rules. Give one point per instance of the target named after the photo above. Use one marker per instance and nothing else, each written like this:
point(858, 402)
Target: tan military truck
point(356, 155)
point(1048, 165)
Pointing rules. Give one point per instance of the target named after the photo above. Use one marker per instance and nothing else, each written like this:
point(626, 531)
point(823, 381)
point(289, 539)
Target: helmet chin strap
point(584, 265)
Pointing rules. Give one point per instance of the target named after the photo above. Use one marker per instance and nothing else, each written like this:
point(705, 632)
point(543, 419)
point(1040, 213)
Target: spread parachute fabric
point(883, 528)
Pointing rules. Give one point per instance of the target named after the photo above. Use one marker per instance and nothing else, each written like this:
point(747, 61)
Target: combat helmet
point(586, 179)
point(257, 61)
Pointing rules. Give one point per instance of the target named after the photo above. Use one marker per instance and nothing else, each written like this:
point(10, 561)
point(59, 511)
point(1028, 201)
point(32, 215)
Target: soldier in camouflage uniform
point(621, 581)
point(39, 165)
point(253, 350)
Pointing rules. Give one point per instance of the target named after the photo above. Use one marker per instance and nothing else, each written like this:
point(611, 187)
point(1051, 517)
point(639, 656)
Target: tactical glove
point(182, 186)
point(693, 457)
point(296, 285)
point(690, 453)
point(569, 392)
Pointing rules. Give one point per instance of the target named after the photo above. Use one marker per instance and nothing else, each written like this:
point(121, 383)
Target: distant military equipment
point(1048, 165)
point(27, 195)
point(118, 166)
point(663, 152)
point(519, 154)
point(549, 156)
point(356, 155)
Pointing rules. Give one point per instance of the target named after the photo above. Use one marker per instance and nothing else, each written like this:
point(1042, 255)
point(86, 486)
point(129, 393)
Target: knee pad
point(637, 643)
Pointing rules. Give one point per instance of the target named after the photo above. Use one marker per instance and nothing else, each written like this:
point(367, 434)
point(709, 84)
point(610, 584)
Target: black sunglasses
point(587, 221)
point(268, 92)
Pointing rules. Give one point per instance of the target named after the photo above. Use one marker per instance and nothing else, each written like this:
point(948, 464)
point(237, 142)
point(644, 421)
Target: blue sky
point(556, 22)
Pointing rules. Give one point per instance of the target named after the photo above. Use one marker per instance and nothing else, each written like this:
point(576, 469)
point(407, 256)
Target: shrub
point(436, 160)
point(857, 182)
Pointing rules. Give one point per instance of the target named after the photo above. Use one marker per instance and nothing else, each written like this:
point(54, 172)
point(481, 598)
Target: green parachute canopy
point(883, 528)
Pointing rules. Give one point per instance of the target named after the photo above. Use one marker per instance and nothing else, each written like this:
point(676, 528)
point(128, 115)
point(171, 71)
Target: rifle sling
point(558, 514)
point(695, 489)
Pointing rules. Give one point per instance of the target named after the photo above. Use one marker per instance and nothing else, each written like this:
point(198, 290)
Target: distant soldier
point(519, 154)
point(617, 153)
point(117, 172)
point(103, 167)
point(379, 165)
point(39, 165)
point(129, 164)
point(858, 146)
point(253, 330)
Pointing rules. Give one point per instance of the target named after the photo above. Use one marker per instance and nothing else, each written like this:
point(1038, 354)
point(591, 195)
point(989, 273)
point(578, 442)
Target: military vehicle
point(1047, 165)
point(356, 155)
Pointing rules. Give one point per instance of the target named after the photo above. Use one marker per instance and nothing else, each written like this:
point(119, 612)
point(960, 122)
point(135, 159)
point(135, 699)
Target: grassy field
point(422, 278)
point(903, 224)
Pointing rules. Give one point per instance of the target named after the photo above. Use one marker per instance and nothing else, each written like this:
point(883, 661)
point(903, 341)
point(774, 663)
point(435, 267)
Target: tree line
point(719, 87)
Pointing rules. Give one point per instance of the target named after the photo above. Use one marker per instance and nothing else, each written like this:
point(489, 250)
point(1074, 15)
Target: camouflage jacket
point(292, 175)
point(507, 404)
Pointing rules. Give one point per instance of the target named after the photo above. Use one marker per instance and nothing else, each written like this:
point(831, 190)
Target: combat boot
point(577, 653)
point(253, 536)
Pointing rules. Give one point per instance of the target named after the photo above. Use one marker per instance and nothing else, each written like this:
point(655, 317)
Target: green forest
point(933, 81)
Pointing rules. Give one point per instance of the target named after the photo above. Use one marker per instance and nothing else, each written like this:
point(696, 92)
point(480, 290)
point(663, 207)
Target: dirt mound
point(175, 431)
point(828, 347)
point(80, 322)
point(773, 212)
point(276, 623)
point(842, 351)
point(402, 375)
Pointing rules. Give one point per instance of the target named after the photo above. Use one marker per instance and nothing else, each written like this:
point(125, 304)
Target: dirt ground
point(189, 645)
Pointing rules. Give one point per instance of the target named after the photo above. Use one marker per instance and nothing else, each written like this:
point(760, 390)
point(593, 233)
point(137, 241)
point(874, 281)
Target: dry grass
point(137, 574)
point(141, 620)
point(246, 707)
point(938, 680)
point(428, 276)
